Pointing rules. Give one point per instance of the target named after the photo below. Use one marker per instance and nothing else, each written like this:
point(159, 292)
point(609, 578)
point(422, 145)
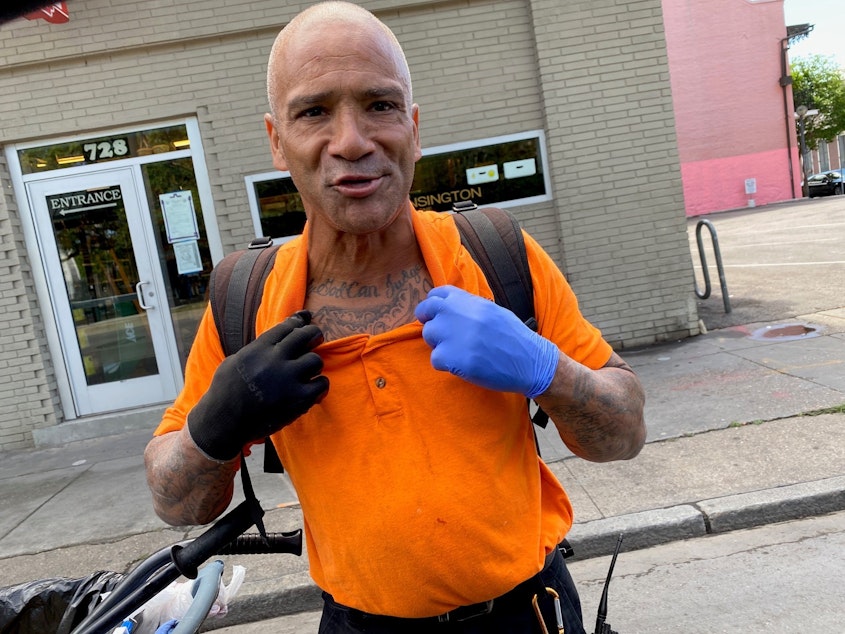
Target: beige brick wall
point(474, 70)
point(592, 75)
point(605, 86)
point(27, 394)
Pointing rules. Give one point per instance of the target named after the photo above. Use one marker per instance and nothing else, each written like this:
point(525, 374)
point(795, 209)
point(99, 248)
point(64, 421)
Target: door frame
point(31, 240)
point(141, 391)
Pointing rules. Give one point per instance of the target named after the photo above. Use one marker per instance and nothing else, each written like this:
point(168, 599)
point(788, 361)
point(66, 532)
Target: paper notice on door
point(180, 219)
point(188, 258)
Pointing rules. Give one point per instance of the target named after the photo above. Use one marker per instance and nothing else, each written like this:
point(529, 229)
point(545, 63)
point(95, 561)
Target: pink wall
point(719, 184)
point(724, 66)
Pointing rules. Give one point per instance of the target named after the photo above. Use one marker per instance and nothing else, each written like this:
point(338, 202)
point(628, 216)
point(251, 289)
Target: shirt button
point(380, 382)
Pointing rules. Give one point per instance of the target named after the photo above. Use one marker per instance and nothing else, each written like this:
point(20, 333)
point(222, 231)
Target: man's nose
point(351, 135)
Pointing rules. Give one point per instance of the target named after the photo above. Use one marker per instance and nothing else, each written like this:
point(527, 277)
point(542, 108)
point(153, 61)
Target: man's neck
point(365, 284)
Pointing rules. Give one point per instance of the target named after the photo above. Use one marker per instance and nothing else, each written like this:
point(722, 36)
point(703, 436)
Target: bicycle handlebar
point(159, 570)
point(254, 544)
point(188, 557)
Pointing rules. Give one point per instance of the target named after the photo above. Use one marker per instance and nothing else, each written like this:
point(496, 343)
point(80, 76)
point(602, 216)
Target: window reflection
point(104, 149)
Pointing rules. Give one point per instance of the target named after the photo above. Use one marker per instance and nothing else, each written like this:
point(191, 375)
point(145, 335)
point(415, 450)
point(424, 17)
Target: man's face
point(344, 127)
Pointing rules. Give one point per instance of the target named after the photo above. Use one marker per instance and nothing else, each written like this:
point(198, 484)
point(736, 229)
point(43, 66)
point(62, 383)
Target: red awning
point(55, 13)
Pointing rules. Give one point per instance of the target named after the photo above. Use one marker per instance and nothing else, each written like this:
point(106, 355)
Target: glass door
point(106, 290)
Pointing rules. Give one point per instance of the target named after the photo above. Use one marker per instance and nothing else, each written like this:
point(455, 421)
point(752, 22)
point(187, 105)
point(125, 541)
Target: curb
point(297, 593)
point(717, 515)
point(780, 504)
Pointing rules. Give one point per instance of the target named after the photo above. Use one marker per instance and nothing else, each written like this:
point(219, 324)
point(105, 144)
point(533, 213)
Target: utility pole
point(801, 111)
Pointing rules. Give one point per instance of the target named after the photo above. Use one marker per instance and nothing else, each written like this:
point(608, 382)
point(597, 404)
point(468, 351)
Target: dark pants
point(512, 613)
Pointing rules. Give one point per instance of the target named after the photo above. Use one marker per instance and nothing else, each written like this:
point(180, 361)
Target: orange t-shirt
point(420, 491)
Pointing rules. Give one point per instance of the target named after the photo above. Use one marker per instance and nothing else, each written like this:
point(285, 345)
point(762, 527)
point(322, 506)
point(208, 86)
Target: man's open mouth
point(357, 186)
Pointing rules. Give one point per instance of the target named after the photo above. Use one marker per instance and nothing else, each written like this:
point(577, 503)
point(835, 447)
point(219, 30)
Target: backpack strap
point(494, 239)
point(235, 289)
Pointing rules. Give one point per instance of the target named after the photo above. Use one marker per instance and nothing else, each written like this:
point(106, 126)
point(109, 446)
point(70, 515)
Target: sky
point(828, 36)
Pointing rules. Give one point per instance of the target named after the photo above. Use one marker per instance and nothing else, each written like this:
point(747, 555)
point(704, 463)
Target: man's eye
point(316, 111)
point(383, 106)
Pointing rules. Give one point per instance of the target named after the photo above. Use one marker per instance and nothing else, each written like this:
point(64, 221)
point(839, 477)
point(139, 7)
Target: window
point(504, 171)
point(276, 206)
point(103, 149)
point(824, 157)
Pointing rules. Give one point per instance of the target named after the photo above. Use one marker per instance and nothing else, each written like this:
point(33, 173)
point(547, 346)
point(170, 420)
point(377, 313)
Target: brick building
point(135, 157)
point(733, 111)
point(827, 156)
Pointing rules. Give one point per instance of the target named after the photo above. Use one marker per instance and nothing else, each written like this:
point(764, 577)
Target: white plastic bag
point(173, 602)
point(227, 593)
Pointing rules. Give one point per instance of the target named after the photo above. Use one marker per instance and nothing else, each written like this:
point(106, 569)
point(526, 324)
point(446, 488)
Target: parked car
point(824, 184)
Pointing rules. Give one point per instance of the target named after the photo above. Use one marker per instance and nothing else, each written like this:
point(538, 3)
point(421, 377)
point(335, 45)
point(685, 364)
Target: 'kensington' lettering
point(429, 200)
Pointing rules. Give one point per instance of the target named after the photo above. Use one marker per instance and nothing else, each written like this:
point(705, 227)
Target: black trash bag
point(52, 605)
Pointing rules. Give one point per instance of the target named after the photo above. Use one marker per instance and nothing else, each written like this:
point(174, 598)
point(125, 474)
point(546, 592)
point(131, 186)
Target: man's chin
point(363, 216)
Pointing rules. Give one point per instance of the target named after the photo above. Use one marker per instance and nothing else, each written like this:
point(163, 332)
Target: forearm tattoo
point(188, 491)
point(600, 419)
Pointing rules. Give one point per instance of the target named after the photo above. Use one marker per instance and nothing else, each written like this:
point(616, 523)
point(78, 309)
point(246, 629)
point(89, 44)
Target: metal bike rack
point(719, 267)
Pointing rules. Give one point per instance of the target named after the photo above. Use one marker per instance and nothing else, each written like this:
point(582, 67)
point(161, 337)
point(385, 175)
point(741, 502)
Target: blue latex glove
point(167, 627)
point(485, 344)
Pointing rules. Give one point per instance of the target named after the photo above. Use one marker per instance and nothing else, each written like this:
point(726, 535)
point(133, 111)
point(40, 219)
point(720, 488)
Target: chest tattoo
point(348, 307)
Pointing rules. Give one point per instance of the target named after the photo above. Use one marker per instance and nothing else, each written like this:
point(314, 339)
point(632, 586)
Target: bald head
point(333, 13)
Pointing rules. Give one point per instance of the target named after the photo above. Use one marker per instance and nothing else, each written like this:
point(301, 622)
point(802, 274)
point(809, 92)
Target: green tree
point(819, 84)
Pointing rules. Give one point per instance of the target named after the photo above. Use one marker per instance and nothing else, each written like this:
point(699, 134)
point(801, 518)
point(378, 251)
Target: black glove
point(263, 387)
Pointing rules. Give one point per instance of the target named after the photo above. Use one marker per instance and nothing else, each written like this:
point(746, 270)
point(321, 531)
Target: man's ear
point(416, 117)
point(276, 150)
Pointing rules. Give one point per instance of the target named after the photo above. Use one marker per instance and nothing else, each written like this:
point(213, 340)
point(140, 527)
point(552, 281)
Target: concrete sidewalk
point(746, 426)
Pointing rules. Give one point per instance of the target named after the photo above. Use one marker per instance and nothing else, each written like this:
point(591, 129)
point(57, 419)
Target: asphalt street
point(779, 578)
point(780, 261)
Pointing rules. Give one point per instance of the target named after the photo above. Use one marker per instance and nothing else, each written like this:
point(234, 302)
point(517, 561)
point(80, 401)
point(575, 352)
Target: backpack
point(491, 235)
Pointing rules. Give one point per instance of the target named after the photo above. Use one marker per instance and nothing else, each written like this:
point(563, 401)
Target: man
point(424, 500)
